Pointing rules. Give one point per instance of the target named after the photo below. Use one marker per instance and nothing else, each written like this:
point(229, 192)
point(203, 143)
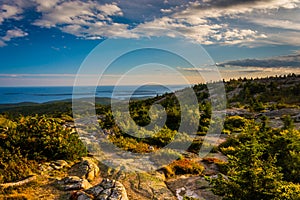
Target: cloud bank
point(223, 22)
point(288, 61)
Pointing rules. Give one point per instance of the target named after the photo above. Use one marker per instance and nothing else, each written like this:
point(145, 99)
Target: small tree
point(288, 122)
point(249, 176)
point(263, 163)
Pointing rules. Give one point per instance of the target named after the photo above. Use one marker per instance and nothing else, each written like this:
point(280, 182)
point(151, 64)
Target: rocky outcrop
point(191, 186)
point(147, 185)
point(106, 190)
point(73, 183)
point(83, 182)
point(59, 164)
point(81, 174)
point(87, 168)
point(54, 165)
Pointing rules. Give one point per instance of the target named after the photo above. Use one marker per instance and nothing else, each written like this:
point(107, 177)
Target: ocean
point(12, 95)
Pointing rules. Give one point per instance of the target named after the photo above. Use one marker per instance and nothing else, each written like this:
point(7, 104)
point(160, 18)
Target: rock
point(86, 169)
point(74, 183)
point(45, 167)
point(55, 165)
point(106, 190)
point(151, 148)
point(80, 195)
point(71, 179)
point(107, 183)
point(191, 186)
point(119, 191)
point(59, 164)
point(95, 191)
point(147, 186)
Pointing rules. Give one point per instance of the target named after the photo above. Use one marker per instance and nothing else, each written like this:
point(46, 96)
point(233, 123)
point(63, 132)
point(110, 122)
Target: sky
point(45, 42)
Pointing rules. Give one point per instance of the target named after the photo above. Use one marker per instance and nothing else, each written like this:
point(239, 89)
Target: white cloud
point(213, 24)
point(251, 72)
point(199, 69)
point(110, 9)
point(99, 30)
point(14, 33)
point(10, 34)
point(204, 32)
point(277, 23)
point(46, 5)
point(286, 37)
point(166, 10)
point(9, 12)
point(84, 19)
point(232, 8)
point(70, 12)
point(207, 22)
point(2, 44)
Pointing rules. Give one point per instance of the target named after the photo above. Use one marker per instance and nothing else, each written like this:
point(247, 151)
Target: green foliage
point(32, 139)
point(235, 124)
point(53, 109)
point(164, 156)
point(263, 163)
point(14, 166)
point(6, 123)
point(256, 105)
point(195, 146)
point(183, 166)
point(250, 177)
point(286, 145)
point(40, 137)
point(288, 191)
point(288, 122)
point(130, 144)
point(281, 89)
point(162, 138)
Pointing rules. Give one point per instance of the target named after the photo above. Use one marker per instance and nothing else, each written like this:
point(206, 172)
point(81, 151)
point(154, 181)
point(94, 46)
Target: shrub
point(43, 138)
point(183, 166)
point(263, 163)
point(228, 150)
point(14, 166)
point(162, 138)
point(130, 144)
point(222, 165)
point(35, 139)
point(211, 160)
point(195, 146)
point(235, 124)
point(165, 156)
point(288, 191)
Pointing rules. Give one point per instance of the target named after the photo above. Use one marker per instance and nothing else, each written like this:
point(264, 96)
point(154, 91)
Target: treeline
point(280, 89)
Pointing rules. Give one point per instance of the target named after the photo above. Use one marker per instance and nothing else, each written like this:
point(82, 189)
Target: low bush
point(14, 166)
point(183, 166)
point(130, 144)
point(35, 139)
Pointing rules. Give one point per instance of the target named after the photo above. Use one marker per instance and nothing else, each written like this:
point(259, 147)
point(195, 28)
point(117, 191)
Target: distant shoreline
point(38, 95)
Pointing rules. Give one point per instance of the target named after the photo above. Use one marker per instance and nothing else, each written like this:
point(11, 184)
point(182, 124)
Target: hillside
point(256, 156)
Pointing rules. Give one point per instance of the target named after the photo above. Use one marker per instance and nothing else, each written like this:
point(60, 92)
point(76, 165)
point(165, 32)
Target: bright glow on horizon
point(11, 80)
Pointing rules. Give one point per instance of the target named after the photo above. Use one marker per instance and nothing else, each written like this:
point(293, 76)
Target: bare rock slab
point(106, 190)
point(87, 168)
point(73, 183)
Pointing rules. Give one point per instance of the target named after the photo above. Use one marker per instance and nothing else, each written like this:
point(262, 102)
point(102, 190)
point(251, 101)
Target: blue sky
point(44, 42)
